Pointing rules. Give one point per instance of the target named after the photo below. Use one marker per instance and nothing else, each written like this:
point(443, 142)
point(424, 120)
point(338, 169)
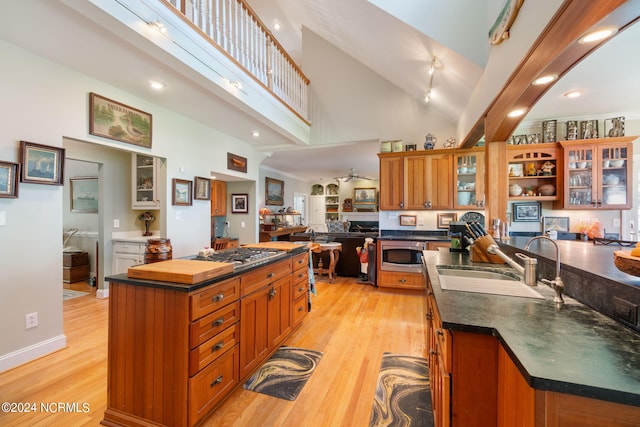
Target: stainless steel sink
point(484, 281)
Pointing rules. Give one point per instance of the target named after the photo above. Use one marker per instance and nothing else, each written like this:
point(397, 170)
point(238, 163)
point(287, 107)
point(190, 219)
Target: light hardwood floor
point(352, 324)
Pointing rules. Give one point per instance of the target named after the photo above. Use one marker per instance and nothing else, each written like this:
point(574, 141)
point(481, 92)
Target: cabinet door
point(144, 177)
point(416, 169)
point(218, 198)
point(254, 345)
point(614, 183)
point(439, 181)
point(122, 262)
point(279, 311)
point(391, 183)
point(468, 180)
point(581, 191)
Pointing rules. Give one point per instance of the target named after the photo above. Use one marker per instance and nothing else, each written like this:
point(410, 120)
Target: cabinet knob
point(440, 332)
point(428, 204)
point(217, 322)
point(216, 381)
point(402, 204)
point(403, 280)
point(433, 352)
point(217, 346)
point(217, 298)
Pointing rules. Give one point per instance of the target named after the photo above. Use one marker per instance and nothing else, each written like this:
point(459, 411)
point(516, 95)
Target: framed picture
point(181, 192)
point(239, 203)
point(117, 121)
point(526, 212)
point(533, 138)
point(445, 219)
point(41, 164)
point(236, 163)
point(202, 188)
point(84, 195)
point(614, 127)
point(571, 130)
point(516, 169)
point(364, 196)
point(408, 220)
point(549, 133)
point(588, 129)
point(274, 192)
point(9, 179)
point(557, 223)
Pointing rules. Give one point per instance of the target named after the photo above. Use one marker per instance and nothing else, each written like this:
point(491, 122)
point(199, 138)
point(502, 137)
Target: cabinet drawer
point(300, 262)
point(388, 279)
point(300, 309)
point(212, 324)
point(212, 349)
point(127, 248)
point(212, 384)
point(264, 275)
point(300, 275)
point(299, 288)
point(214, 297)
point(75, 259)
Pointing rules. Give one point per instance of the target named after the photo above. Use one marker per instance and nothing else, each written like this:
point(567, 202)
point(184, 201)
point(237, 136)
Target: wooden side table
point(333, 248)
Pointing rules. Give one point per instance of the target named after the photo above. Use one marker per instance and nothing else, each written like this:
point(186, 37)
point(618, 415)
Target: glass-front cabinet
point(469, 179)
point(144, 177)
point(598, 174)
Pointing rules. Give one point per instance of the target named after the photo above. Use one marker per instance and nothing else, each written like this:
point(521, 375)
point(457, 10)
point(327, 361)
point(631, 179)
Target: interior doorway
point(300, 205)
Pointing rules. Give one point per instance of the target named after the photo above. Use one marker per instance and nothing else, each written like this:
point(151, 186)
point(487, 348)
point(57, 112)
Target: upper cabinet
point(144, 177)
point(391, 182)
point(598, 173)
point(218, 198)
point(468, 178)
point(535, 172)
point(428, 180)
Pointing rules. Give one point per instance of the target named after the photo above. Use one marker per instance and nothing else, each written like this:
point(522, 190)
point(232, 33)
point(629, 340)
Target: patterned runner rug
point(285, 373)
point(70, 294)
point(402, 395)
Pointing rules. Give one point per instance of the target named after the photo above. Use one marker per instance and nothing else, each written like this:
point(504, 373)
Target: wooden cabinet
point(126, 254)
point(439, 359)
point(468, 178)
point(394, 279)
point(218, 198)
point(526, 164)
point(598, 173)
point(415, 181)
point(265, 313)
point(299, 289)
point(144, 182)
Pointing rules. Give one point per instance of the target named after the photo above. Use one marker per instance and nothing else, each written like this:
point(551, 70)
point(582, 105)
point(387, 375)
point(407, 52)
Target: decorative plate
point(473, 216)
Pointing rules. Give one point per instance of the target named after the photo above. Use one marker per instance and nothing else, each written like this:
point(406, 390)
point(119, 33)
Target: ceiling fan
point(352, 175)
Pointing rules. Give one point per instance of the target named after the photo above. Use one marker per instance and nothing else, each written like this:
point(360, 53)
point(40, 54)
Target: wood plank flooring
point(352, 324)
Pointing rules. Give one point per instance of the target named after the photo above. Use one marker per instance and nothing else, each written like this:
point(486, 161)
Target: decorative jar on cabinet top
point(515, 190)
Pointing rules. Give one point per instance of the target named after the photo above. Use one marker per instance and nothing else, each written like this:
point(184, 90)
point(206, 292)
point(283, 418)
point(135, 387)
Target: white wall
point(45, 103)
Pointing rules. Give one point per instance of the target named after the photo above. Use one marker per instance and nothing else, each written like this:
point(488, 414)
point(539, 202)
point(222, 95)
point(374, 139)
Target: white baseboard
point(32, 352)
point(102, 293)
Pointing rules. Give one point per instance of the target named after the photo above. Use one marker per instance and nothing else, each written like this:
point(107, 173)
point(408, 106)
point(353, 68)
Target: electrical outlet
point(178, 215)
point(625, 310)
point(31, 320)
point(116, 223)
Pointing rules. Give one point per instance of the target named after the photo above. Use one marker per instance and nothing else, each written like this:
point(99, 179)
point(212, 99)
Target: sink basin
point(485, 282)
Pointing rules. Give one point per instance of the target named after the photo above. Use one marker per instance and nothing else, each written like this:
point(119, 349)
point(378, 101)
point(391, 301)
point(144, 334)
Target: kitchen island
point(177, 350)
point(521, 361)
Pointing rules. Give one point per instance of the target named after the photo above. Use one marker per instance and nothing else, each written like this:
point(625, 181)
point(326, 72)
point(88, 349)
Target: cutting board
point(186, 271)
point(282, 246)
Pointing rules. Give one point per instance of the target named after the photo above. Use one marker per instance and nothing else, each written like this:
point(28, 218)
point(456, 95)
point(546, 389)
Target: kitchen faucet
point(528, 271)
point(557, 284)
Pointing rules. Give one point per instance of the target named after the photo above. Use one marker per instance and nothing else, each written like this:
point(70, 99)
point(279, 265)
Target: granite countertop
point(568, 349)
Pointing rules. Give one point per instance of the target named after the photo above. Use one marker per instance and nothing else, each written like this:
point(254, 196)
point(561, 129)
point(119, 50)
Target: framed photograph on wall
point(114, 120)
point(526, 212)
point(239, 203)
point(445, 219)
point(181, 192)
point(555, 223)
point(274, 192)
point(202, 188)
point(571, 130)
point(84, 195)
point(549, 133)
point(364, 196)
point(614, 127)
point(9, 179)
point(588, 129)
point(409, 220)
point(41, 164)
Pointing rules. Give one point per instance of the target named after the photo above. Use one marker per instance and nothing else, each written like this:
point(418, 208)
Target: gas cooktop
point(244, 258)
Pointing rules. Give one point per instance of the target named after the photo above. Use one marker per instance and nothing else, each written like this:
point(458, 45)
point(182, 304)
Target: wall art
point(181, 190)
point(117, 121)
point(41, 164)
point(408, 220)
point(202, 188)
point(9, 179)
point(84, 195)
point(526, 212)
point(236, 163)
point(614, 127)
point(239, 203)
point(274, 192)
point(549, 133)
point(588, 129)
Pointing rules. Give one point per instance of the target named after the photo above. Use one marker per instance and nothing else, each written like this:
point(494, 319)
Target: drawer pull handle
point(300, 289)
point(433, 352)
point(300, 275)
point(217, 346)
point(440, 332)
point(301, 308)
point(270, 275)
point(403, 280)
point(272, 293)
point(217, 322)
point(217, 298)
point(216, 381)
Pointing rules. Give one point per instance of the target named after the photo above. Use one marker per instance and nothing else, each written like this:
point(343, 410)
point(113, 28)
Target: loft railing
point(236, 29)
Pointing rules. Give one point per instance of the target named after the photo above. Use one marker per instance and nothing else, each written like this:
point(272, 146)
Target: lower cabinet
point(393, 279)
point(174, 356)
point(125, 255)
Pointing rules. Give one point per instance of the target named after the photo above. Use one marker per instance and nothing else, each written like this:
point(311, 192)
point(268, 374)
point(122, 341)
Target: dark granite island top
point(569, 349)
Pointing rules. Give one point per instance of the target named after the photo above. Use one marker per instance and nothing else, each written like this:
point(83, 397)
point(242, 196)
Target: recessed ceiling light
point(516, 113)
point(597, 35)
point(276, 25)
point(545, 79)
point(157, 85)
point(573, 93)
point(255, 134)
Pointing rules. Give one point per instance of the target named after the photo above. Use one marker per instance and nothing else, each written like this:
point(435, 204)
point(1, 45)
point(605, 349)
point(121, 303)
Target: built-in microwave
point(401, 255)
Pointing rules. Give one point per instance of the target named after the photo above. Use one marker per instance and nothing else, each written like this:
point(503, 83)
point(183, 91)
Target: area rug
point(70, 294)
point(285, 373)
point(402, 394)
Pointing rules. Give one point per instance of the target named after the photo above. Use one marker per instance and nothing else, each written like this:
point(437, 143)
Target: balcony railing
point(234, 28)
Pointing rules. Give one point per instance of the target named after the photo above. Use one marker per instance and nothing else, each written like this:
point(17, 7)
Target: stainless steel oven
point(401, 255)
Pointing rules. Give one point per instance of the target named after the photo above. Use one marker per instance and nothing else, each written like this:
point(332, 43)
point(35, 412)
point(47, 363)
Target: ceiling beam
point(556, 51)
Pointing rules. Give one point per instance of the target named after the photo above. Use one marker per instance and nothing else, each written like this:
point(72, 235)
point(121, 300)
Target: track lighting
point(432, 69)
